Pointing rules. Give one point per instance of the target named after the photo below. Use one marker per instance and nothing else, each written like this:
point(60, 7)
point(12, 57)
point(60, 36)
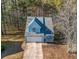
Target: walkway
point(33, 51)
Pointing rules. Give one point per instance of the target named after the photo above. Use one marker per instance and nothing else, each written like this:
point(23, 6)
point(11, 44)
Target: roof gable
point(44, 29)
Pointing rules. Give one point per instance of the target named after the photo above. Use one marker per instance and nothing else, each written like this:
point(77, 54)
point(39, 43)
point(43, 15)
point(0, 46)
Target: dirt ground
point(18, 55)
point(14, 38)
point(54, 51)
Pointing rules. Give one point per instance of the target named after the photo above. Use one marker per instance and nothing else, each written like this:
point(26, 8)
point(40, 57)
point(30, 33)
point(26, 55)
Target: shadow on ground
point(11, 48)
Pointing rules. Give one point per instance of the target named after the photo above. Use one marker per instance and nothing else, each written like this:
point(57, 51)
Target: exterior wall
point(36, 26)
point(34, 37)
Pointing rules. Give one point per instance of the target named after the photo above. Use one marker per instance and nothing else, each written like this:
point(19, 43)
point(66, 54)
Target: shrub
point(59, 37)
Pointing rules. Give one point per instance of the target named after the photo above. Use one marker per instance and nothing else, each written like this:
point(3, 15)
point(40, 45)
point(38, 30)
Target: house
point(37, 28)
point(34, 27)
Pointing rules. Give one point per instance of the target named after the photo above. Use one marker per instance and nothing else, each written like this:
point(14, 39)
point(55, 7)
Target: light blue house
point(34, 26)
point(37, 27)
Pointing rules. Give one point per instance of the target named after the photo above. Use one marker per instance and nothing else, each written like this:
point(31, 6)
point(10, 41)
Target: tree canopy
point(53, 3)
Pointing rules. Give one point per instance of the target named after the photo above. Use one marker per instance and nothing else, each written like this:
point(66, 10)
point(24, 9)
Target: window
point(33, 29)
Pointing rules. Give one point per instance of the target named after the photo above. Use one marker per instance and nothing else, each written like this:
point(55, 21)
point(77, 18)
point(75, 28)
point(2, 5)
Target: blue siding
point(36, 26)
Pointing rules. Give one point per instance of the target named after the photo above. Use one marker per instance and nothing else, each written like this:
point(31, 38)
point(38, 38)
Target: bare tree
point(65, 22)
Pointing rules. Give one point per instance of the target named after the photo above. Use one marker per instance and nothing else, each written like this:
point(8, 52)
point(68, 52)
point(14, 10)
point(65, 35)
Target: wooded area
point(63, 12)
